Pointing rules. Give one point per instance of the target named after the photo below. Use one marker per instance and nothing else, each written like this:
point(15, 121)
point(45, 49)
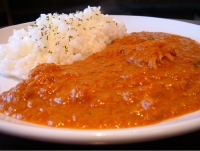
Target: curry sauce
point(141, 79)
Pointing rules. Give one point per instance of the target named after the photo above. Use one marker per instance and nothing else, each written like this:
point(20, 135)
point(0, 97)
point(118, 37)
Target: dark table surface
point(186, 141)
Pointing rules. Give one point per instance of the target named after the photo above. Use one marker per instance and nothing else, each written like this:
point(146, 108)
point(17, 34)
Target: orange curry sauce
point(141, 79)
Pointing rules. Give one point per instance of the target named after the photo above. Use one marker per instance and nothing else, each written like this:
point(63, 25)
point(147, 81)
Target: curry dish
point(141, 79)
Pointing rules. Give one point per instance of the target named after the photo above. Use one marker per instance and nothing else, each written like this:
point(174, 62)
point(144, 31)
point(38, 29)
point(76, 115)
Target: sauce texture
point(141, 79)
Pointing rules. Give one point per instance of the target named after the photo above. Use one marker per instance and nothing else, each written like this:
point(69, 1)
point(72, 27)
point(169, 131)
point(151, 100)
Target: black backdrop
point(24, 11)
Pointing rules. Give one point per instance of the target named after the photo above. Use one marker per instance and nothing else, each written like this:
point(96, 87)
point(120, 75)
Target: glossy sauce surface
point(142, 79)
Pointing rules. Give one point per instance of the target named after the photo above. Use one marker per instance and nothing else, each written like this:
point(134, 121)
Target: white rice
point(58, 38)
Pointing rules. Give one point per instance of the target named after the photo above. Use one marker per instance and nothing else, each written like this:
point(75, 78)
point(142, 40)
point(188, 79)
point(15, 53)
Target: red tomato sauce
point(141, 79)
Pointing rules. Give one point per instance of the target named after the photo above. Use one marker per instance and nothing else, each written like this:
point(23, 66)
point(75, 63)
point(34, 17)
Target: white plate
point(177, 126)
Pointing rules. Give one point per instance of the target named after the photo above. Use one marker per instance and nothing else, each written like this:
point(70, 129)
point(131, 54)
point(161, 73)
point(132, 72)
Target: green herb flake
point(151, 38)
point(70, 37)
point(66, 49)
point(197, 63)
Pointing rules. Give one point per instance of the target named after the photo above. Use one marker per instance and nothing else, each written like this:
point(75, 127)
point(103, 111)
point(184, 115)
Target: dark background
point(20, 11)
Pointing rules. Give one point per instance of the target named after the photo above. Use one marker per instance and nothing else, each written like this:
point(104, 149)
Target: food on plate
point(58, 38)
point(141, 79)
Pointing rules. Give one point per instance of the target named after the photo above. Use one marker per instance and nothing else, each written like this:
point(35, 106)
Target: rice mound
point(58, 38)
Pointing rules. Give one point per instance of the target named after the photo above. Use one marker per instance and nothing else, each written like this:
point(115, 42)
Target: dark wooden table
point(184, 142)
